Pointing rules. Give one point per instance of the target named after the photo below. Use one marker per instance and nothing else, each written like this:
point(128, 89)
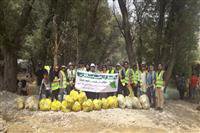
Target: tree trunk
point(131, 51)
point(10, 70)
point(160, 26)
point(170, 68)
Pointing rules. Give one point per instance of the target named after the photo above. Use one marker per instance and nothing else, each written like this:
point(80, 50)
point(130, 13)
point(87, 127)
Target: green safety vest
point(55, 85)
point(136, 76)
point(111, 72)
point(64, 85)
point(159, 79)
point(127, 77)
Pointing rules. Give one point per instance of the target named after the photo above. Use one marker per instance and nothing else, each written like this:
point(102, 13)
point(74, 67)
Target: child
point(45, 86)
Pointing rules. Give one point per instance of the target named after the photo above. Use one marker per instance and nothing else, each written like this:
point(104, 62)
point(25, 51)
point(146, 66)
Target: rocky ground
point(178, 116)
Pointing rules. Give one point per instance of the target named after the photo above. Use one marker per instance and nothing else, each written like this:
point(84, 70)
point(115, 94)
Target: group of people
point(188, 87)
point(133, 80)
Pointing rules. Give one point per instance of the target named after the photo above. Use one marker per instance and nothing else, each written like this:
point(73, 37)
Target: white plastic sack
point(136, 103)
point(121, 101)
point(144, 100)
point(31, 103)
point(129, 102)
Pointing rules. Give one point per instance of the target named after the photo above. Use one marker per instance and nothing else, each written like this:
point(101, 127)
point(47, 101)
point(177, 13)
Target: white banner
point(96, 82)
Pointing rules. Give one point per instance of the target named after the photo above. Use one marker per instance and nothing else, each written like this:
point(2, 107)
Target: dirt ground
point(177, 117)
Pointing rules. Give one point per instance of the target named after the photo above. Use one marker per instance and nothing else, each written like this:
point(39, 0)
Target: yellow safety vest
point(55, 85)
point(159, 79)
point(136, 76)
point(128, 75)
point(64, 84)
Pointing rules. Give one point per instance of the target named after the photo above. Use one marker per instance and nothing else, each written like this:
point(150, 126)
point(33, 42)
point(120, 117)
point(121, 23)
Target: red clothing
point(193, 81)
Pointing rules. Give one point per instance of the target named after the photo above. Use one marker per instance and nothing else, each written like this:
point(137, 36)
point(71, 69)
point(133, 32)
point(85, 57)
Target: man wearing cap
point(92, 68)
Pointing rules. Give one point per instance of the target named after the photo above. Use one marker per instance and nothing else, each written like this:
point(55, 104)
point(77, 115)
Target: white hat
point(118, 64)
point(70, 64)
point(92, 65)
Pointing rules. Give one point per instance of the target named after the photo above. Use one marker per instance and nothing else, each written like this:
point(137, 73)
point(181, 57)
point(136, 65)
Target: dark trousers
point(54, 94)
point(181, 93)
point(151, 95)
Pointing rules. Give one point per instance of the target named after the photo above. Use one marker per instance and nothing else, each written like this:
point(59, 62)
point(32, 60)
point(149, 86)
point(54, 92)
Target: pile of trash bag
point(88, 105)
point(31, 103)
point(144, 100)
point(20, 102)
point(56, 105)
point(121, 101)
point(45, 104)
point(97, 104)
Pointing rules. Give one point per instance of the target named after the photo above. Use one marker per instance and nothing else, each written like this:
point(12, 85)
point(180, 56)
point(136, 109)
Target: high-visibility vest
point(64, 84)
point(159, 79)
point(128, 76)
point(112, 71)
point(136, 76)
point(55, 85)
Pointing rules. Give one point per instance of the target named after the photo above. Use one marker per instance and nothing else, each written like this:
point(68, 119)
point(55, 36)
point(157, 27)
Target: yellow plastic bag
point(82, 97)
point(45, 104)
point(65, 107)
point(69, 101)
point(20, 102)
point(111, 102)
point(76, 107)
point(74, 94)
point(55, 105)
point(87, 105)
point(115, 102)
point(97, 104)
point(105, 104)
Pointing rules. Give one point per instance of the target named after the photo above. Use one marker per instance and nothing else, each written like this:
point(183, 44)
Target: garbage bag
point(144, 100)
point(129, 102)
point(31, 103)
point(76, 107)
point(121, 101)
point(97, 104)
point(87, 105)
point(45, 104)
point(105, 104)
point(55, 105)
point(112, 102)
point(136, 103)
point(74, 94)
point(65, 107)
point(20, 102)
point(82, 97)
point(69, 100)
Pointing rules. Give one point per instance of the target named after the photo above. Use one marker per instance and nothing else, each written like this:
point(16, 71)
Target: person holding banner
point(118, 69)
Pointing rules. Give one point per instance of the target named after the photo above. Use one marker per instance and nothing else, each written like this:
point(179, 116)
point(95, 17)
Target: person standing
point(71, 74)
point(55, 83)
point(45, 86)
point(136, 79)
point(118, 69)
point(181, 84)
point(160, 84)
point(39, 74)
point(193, 85)
point(151, 78)
point(143, 80)
point(127, 80)
point(63, 82)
